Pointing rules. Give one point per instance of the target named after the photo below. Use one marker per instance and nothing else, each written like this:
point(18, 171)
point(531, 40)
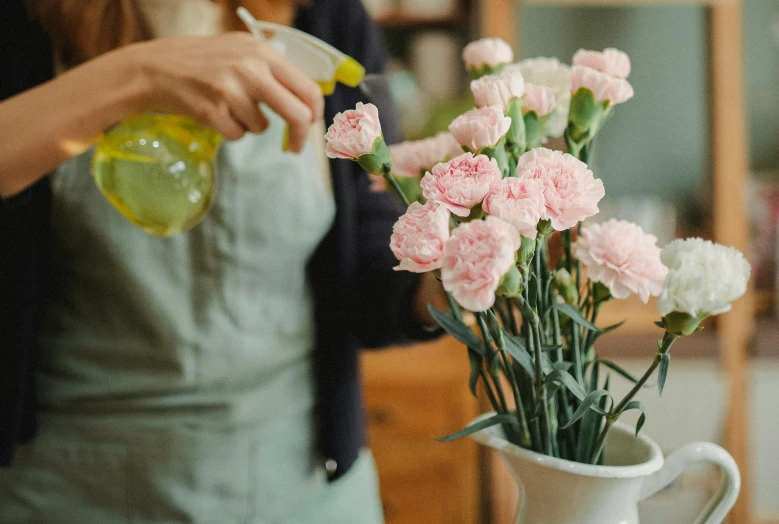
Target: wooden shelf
point(622, 3)
point(616, 345)
point(398, 18)
point(765, 343)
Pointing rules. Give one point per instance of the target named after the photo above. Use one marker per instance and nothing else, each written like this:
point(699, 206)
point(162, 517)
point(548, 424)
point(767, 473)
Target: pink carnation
point(411, 159)
point(498, 89)
point(353, 132)
point(419, 236)
point(623, 258)
point(603, 86)
point(461, 183)
point(480, 128)
point(487, 51)
point(476, 257)
point(571, 193)
point(540, 99)
point(611, 61)
point(520, 202)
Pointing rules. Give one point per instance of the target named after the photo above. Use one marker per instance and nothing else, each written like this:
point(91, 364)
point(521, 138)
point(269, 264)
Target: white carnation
point(703, 277)
point(551, 73)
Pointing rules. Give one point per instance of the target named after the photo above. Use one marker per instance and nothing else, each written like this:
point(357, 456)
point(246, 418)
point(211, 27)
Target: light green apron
point(174, 375)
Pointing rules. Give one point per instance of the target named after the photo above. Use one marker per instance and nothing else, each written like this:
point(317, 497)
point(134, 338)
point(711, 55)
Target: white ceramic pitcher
point(557, 491)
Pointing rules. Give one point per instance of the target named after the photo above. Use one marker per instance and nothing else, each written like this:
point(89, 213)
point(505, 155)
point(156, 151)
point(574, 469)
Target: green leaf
point(617, 369)
point(532, 290)
point(551, 347)
point(517, 348)
point(587, 404)
point(660, 324)
point(458, 330)
point(665, 359)
point(576, 316)
point(635, 404)
point(501, 418)
point(568, 381)
point(609, 329)
point(475, 361)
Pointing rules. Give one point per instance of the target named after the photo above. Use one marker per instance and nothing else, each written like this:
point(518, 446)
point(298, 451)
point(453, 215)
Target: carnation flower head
point(551, 73)
point(419, 236)
point(461, 183)
point(476, 257)
point(480, 128)
point(520, 202)
point(703, 277)
point(604, 87)
point(490, 52)
point(353, 132)
point(610, 61)
point(498, 89)
point(619, 255)
point(413, 158)
point(539, 99)
point(571, 193)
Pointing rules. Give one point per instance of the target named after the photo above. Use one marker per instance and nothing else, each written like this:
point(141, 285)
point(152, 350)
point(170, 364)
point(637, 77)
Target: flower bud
point(516, 141)
point(566, 287)
point(511, 283)
point(545, 227)
point(527, 249)
point(377, 162)
point(680, 324)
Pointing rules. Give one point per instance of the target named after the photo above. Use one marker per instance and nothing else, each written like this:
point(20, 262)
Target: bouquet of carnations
point(483, 202)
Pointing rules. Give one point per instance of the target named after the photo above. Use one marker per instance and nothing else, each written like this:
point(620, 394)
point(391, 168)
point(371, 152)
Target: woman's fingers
point(298, 115)
point(300, 85)
point(244, 109)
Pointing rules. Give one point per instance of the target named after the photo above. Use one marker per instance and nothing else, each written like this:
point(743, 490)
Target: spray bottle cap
point(319, 60)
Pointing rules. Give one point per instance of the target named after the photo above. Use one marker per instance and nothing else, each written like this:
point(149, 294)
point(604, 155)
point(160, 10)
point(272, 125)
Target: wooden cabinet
point(413, 395)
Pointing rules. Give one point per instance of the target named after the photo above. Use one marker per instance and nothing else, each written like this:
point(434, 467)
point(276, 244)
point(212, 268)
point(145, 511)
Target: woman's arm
point(219, 81)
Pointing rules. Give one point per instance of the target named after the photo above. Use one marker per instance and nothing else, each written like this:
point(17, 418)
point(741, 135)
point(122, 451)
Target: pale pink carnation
point(461, 183)
point(603, 86)
point(412, 159)
point(491, 52)
point(610, 61)
point(520, 202)
point(540, 99)
point(353, 132)
point(571, 193)
point(480, 128)
point(419, 236)
point(475, 259)
point(498, 89)
point(619, 255)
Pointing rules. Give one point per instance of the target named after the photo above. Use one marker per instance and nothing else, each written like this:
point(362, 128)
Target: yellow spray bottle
point(159, 170)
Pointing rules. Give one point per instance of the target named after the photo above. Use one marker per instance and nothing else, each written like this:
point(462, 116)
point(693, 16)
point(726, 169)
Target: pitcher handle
point(722, 501)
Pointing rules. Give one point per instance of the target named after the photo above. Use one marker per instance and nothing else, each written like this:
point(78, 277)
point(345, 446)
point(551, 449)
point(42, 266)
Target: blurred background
point(696, 152)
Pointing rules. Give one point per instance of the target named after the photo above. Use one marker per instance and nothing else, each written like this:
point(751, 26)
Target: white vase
point(557, 491)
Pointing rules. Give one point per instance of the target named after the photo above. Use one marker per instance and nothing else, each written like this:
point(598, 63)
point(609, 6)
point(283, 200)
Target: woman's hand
point(220, 82)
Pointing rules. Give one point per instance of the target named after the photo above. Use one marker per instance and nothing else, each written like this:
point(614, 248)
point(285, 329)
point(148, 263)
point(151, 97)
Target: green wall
point(658, 142)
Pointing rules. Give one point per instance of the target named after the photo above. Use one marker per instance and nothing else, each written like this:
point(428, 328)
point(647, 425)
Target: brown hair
point(83, 29)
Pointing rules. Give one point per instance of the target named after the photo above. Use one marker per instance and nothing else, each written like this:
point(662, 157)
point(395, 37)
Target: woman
point(212, 376)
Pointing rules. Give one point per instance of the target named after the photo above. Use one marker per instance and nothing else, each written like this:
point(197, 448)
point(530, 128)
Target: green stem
point(532, 318)
point(389, 177)
point(665, 346)
point(490, 356)
point(523, 426)
point(488, 388)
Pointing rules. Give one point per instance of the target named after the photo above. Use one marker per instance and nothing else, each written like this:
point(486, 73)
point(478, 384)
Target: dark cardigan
point(360, 301)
